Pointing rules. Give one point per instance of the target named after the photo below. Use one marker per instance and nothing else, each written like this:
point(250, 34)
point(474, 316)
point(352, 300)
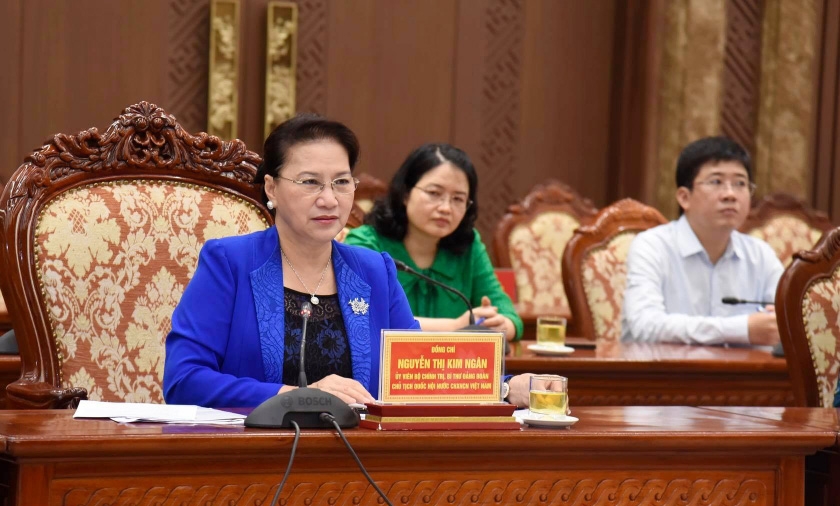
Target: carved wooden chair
point(530, 239)
point(356, 219)
point(370, 188)
point(808, 313)
point(787, 224)
point(595, 271)
point(5, 322)
point(101, 234)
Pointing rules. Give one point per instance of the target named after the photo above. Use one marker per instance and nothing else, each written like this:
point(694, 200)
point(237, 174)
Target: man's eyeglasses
point(341, 185)
point(438, 198)
point(718, 185)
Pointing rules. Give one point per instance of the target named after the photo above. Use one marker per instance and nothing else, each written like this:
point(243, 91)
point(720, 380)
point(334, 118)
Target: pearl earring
point(270, 205)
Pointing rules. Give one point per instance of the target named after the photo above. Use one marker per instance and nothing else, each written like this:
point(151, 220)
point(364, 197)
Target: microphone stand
point(402, 266)
point(305, 407)
point(778, 350)
point(472, 327)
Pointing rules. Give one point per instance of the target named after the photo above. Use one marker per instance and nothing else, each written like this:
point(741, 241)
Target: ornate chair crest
point(370, 188)
point(101, 234)
point(808, 312)
point(530, 239)
point(787, 224)
point(594, 267)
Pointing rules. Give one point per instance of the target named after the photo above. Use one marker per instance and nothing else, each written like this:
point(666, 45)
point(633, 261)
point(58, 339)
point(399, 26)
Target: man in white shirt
point(678, 273)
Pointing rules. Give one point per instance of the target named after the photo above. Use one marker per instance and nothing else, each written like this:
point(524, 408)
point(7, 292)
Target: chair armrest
point(26, 394)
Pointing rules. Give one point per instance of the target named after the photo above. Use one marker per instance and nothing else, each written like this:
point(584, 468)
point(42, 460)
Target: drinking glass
point(549, 395)
point(551, 331)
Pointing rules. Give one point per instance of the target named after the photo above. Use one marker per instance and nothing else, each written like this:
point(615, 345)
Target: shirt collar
point(689, 244)
point(687, 240)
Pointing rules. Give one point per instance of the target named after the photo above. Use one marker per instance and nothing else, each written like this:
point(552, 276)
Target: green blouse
point(471, 273)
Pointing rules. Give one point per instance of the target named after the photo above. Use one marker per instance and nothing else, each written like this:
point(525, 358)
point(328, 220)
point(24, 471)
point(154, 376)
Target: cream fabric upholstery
point(604, 279)
point(821, 314)
point(113, 261)
point(536, 252)
point(787, 235)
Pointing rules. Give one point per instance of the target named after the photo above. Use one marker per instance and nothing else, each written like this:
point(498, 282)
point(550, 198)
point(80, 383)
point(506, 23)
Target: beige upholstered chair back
point(808, 312)
point(787, 224)
point(104, 233)
point(594, 267)
point(530, 239)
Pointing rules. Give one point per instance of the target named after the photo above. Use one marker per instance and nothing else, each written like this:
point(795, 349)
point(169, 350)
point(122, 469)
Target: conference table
point(642, 455)
point(638, 374)
point(822, 469)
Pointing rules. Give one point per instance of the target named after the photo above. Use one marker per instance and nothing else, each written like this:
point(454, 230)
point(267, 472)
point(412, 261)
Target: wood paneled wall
point(531, 89)
point(826, 141)
point(523, 86)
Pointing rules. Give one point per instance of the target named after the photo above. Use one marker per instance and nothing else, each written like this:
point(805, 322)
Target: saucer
point(539, 420)
point(551, 351)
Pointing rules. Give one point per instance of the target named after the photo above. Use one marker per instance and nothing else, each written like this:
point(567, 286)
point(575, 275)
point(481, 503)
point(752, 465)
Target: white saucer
point(552, 351)
point(538, 420)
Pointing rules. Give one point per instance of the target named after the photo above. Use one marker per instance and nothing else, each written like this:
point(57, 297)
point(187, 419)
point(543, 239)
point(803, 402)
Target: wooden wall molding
point(742, 72)
point(503, 31)
point(312, 41)
point(187, 67)
point(826, 138)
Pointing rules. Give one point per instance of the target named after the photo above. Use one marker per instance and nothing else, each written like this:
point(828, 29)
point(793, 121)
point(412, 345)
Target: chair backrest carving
point(808, 313)
point(787, 224)
point(370, 188)
point(101, 235)
point(530, 239)
point(594, 270)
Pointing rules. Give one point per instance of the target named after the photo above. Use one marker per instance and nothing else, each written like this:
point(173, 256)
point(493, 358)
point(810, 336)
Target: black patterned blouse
point(327, 347)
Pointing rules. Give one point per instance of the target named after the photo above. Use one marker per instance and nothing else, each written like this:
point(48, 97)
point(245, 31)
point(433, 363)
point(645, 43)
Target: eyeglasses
point(341, 185)
point(718, 185)
point(438, 198)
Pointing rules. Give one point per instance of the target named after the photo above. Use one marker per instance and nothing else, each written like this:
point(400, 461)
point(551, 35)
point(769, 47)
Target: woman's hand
point(346, 389)
point(493, 320)
point(520, 390)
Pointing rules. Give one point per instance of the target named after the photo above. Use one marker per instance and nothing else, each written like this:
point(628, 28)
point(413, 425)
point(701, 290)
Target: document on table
point(158, 413)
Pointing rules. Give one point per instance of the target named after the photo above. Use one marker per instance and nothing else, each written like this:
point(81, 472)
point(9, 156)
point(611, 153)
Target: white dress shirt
point(674, 291)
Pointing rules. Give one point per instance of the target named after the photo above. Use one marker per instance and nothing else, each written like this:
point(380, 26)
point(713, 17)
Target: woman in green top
point(427, 221)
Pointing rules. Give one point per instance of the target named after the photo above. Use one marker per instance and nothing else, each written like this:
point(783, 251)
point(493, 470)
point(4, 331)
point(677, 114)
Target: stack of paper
point(158, 413)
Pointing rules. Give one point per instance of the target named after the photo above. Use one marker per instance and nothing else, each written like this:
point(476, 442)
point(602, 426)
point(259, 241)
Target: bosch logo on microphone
point(286, 402)
point(314, 401)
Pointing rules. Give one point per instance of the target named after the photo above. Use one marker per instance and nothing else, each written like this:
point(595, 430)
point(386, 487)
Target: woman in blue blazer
point(235, 338)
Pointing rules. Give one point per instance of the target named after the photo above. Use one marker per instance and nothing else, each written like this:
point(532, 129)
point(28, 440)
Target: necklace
point(315, 300)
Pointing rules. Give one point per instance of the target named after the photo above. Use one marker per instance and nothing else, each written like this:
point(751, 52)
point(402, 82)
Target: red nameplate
point(441, 367)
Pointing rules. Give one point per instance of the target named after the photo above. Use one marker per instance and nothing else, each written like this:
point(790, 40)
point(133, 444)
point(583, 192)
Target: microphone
point(303, 406)
point(401, 266)
point(734, 300)
point(305, 313)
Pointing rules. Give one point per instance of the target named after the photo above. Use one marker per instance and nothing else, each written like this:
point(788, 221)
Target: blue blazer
point(227, 340)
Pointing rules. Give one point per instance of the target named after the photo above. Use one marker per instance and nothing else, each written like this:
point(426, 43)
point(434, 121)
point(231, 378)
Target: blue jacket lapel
point(271, 317)
point(354, 298)
point(267, 290)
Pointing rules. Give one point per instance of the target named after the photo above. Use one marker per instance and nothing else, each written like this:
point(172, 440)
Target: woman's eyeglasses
point(340, 185)
point(438, 198)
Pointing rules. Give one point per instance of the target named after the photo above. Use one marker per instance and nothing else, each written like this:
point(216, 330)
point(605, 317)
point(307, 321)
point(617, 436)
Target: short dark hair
point(389, 216)
point(297, 130)
point(709, 149)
